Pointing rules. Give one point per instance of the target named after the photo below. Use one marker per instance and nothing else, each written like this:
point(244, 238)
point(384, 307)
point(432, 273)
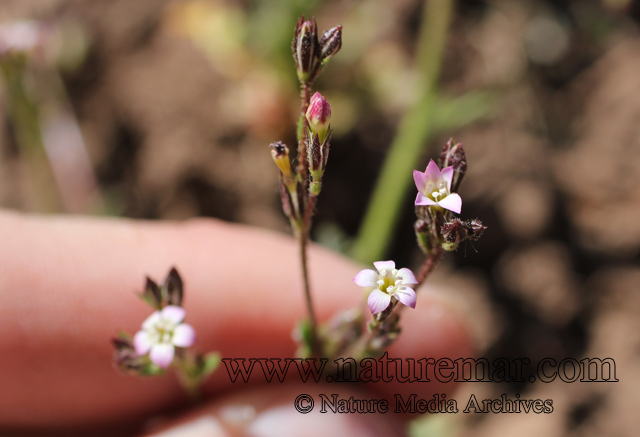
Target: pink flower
point(434, 188)
point(161, 332)
point(387, 282)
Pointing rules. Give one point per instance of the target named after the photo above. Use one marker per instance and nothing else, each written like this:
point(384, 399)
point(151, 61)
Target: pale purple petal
point(424, 200)
point(378, 301)
point(407, 276)
point(384, 265)
point(406, 296)
point(453, 202)
point(151, 320)
point(366, 278)
point(184, 335)
point(433, 172)
point(420, 179)
point(174, 313)
point(447, 175)
point(141, 343)
point(162, 354)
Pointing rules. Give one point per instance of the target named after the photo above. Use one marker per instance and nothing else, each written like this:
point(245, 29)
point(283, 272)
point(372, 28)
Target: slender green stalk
point(408, 145)
point(25, 118)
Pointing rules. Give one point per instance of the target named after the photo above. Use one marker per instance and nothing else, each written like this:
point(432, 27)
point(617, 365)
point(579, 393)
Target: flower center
point(162, 331)
point(436, 191)
point(389, 281)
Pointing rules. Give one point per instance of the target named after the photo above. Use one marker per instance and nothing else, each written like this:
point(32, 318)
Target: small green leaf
point(210, 364)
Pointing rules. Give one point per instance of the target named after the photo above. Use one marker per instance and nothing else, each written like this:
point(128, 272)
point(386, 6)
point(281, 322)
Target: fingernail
point(205, 426)
point(285, 421)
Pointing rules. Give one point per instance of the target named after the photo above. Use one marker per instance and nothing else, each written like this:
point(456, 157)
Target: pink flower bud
point(319, 116)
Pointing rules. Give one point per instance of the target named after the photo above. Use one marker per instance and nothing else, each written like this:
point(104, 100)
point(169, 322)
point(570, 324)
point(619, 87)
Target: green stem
point(25, 118)
point(408, 145)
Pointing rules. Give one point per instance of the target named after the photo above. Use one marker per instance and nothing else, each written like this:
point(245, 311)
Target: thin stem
point(183, 364)
point(429, 265)
point(303, 230)
point(378, 225)
point(305, 97)
point(25, 118)
point(315, 344)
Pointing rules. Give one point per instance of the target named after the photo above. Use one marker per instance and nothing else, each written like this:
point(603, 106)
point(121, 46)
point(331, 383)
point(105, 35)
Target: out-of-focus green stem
point(24, 116)
point(396, 176)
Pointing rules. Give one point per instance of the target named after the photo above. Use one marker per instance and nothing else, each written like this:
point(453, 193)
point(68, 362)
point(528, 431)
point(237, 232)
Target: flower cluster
point(164, 339)
point(437, 199)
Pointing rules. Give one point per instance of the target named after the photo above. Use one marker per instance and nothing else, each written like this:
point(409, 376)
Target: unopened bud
point(173, 288)
point(125, 357)
point(424, 235)
point(475, 229)
point(319, 116)
point(317, 155)
point(306, 49)
point(453, 155)
point(454, 231)
point(152, 294)
point(280, 155)
point(330, 43)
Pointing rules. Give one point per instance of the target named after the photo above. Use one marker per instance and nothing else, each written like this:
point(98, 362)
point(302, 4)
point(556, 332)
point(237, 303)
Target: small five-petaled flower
point(387, 282)
point(161, 332)
point(434, 188)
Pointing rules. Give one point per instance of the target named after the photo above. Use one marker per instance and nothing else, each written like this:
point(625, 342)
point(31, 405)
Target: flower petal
point(366, 278)
point(151, 320)
point(384, 265)
point(407, 276)
point(162, 354)
point(420, 179)
point(433, 172)
point(378, 301)
point(447, 175)
point(184, 335)
point(406, 296)
point(173, 313)
point(141, 343)
point(453, 202)
point(424, 200)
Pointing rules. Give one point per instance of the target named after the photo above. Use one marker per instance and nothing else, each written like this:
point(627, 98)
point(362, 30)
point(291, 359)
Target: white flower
point(387, 282)
point(161, 332)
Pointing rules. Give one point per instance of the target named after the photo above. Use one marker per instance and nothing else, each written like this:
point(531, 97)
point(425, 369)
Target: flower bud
point(125, 357)
point(454, 231)
point(173, 287)
point(475, 229)
point(306, 49)
point(319, 116)
point(454, 156)
point(152, 294)
point(330, 43)
point(424, 235)
point(280, 155)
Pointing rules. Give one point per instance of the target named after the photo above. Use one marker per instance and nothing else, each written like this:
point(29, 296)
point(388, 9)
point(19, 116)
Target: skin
point(67, 286)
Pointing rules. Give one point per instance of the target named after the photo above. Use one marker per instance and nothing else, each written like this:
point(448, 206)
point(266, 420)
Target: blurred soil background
point(176, 103)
